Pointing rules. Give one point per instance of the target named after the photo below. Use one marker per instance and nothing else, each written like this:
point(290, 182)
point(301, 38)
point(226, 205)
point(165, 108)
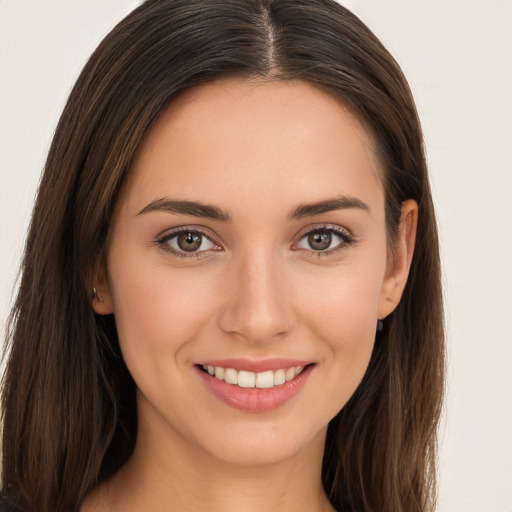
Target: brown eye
point(326, 240)
point(189, 241)
point(319, 240)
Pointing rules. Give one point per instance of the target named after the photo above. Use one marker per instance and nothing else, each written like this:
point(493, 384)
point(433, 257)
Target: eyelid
point(168, 233)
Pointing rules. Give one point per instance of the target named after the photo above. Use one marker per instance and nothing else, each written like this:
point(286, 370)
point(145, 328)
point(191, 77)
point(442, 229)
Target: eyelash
point(163, 240)
point(346, 240)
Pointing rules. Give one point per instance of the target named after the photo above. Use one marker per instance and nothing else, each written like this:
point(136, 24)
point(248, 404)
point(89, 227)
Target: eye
point(186, 242)
point(325, 240)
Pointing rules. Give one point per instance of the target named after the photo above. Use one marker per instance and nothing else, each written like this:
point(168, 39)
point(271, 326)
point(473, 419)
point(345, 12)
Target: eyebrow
point(197, 209)
point(328, 205)
point(193, 208)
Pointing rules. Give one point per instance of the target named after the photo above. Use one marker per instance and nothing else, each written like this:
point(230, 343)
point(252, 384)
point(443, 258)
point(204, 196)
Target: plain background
point(457, 56)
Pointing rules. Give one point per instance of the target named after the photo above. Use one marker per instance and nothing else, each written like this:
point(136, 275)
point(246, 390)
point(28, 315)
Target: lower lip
point(255, 399)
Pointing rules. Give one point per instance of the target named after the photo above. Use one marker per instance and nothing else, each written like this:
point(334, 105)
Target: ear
point(400, 261)
point(101, 295)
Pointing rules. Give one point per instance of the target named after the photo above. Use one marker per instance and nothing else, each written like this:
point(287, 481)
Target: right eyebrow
point(193, 208)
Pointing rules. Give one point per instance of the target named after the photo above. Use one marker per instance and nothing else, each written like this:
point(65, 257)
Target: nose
point(257, 305)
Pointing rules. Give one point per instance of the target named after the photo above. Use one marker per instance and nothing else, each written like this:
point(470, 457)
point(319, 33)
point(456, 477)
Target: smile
point(254, 386)
point(247, 379)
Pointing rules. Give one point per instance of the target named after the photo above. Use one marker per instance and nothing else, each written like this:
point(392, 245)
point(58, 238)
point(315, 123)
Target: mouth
point(254, 391)
point(247, 379)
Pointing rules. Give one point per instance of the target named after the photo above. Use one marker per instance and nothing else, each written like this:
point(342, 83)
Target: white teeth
point(262, 380)
point(279, 377)
point(246, 379)
point(231, 376)
point(265, 379)
point(290, 373)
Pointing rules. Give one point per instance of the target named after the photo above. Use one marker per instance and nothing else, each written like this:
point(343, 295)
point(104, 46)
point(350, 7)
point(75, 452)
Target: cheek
point(341, 315)
point(157, 313)
point(343, 306)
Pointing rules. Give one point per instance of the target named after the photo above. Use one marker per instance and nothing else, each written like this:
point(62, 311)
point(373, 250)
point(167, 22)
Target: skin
point(257, 151)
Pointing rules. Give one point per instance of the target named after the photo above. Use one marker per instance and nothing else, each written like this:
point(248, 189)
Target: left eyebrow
point(328, 205)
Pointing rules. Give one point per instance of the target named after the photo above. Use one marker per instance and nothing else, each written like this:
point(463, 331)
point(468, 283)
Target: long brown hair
point(68, 400)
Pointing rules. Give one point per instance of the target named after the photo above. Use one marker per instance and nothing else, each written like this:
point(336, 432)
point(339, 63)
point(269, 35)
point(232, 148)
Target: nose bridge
point(258, 306)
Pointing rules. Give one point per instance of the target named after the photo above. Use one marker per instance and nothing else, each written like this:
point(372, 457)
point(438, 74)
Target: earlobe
point(400, 261)
point(100, 294)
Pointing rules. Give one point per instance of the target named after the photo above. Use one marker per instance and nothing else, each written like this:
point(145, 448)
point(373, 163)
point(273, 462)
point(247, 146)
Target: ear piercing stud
point(95, 295)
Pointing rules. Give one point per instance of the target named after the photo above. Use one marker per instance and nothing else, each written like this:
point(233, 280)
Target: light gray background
point(458, 58)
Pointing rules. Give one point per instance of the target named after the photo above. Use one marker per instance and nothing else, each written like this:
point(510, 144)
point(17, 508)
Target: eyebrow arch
point(328, 205)
point(193, 208)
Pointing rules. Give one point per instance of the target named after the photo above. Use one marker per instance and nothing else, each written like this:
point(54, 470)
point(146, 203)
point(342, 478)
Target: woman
point(230, 295)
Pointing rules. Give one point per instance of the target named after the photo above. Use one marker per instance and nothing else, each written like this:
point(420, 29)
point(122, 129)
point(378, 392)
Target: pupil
point(189, 242)
point(320, 240)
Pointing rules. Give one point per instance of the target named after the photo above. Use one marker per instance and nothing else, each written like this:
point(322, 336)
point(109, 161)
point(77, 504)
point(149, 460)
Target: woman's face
point(250, 238)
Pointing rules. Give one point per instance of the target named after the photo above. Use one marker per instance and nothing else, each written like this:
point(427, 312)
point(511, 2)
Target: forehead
point(248, 138)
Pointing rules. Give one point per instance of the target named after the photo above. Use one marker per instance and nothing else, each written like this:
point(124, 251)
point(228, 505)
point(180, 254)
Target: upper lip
point(250, 365)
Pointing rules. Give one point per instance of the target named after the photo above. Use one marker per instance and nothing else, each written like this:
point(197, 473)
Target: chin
point(266, 444)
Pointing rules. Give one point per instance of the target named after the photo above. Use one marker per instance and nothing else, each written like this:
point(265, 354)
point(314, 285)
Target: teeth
point(265, 379)
point(279, 377)
point(260, 380)
point(289, 374)
point(230, 376)
point(246, 379)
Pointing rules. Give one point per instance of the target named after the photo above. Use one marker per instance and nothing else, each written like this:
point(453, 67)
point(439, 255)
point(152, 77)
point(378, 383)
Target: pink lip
point(254, 399)
point(249, 365)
